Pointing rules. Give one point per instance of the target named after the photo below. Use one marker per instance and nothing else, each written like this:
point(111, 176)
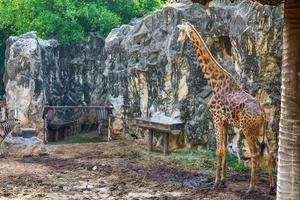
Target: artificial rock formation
point(153, 73)
point(39, 72)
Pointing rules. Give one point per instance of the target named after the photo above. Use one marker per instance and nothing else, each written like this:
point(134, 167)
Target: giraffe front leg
point(224, 155)
point(254, 162)
point(218, 171)
point(219, 153)
point(254, 159)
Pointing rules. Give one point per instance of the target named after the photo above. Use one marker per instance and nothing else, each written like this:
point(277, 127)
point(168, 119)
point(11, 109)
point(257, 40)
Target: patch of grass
point(236, 164)
point(205, 160)
point(80, 139)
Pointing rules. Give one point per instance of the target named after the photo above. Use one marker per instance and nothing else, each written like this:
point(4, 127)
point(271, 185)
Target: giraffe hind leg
point(253, 146)
point(268, 158)
point(266, 154)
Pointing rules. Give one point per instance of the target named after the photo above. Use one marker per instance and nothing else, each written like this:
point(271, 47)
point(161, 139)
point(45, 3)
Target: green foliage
point(236, 164)
point(68, 21)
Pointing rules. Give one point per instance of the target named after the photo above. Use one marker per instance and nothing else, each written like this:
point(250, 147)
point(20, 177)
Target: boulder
point(20, 147)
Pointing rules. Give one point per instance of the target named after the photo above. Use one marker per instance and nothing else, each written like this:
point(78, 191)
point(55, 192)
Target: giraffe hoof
point(272, 190)
point(216, 185)
point(250, 190)
point(222, 184)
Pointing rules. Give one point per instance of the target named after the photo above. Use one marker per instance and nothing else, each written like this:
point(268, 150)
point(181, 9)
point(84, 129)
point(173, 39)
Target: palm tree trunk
point(288, 182)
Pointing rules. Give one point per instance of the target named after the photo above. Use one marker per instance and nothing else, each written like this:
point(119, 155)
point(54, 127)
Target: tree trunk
point(288, 182)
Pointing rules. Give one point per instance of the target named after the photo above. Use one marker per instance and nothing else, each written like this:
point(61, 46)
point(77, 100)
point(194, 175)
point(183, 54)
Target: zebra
point(9, 126)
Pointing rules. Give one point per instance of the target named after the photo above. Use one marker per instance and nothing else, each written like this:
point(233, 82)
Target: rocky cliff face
point(42, 72)
point(145, 71)
point(153, 73)
point(23, 78)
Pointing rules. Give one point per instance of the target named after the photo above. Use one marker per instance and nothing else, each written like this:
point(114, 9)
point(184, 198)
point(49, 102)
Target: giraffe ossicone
point(230, 106)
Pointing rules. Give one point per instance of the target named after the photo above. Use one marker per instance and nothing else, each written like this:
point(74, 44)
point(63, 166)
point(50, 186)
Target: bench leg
point(150, 140)
point(56, 135)
point(45, 130)
point(109, 131)
point(166, 143)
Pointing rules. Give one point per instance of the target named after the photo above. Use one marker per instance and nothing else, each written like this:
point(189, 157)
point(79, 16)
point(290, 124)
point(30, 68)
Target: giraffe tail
point(264, 144)
point(262, 148)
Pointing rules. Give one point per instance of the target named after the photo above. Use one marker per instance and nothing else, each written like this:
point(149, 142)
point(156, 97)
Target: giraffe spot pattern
point(206, 60)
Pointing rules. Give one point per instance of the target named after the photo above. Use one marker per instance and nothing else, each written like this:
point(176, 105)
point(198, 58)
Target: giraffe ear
point(181, 27)
point(188, 34)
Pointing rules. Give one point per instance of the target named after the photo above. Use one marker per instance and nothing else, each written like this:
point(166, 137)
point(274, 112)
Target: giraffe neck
point(216, 76)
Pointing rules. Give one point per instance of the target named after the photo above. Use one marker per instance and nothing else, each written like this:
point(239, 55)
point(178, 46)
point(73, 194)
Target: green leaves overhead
point(69, 20)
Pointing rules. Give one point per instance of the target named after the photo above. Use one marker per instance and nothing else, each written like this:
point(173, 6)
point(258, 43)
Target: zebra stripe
point(6, 127)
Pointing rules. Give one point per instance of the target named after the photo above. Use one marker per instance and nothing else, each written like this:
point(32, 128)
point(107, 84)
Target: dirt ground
point(115, 170)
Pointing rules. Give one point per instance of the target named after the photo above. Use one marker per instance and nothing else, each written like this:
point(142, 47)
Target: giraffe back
point(235, 107)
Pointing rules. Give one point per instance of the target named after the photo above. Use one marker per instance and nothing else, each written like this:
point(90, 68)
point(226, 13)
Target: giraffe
point(230, 106)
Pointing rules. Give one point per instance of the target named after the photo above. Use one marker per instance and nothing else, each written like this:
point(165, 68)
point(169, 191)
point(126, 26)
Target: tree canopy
point(68, 21)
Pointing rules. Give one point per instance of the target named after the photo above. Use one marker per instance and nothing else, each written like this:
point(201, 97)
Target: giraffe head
point(185, 29)
point(16, 131)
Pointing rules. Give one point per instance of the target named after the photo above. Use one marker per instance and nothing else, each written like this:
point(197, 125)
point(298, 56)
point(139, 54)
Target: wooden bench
point(49, 112)
point(161, 127)
point(57, 130)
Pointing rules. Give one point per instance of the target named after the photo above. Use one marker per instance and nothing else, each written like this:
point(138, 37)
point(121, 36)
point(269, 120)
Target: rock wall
point(40, 72)
point(153, 73)
point(143, 70)
point(23, 78)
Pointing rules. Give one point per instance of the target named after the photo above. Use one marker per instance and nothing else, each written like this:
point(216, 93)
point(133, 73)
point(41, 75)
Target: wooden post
point(109, 127)
point(110, 115)
point(150, 140)
point(56, 134)
point(44, 131)
point(166, 143)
